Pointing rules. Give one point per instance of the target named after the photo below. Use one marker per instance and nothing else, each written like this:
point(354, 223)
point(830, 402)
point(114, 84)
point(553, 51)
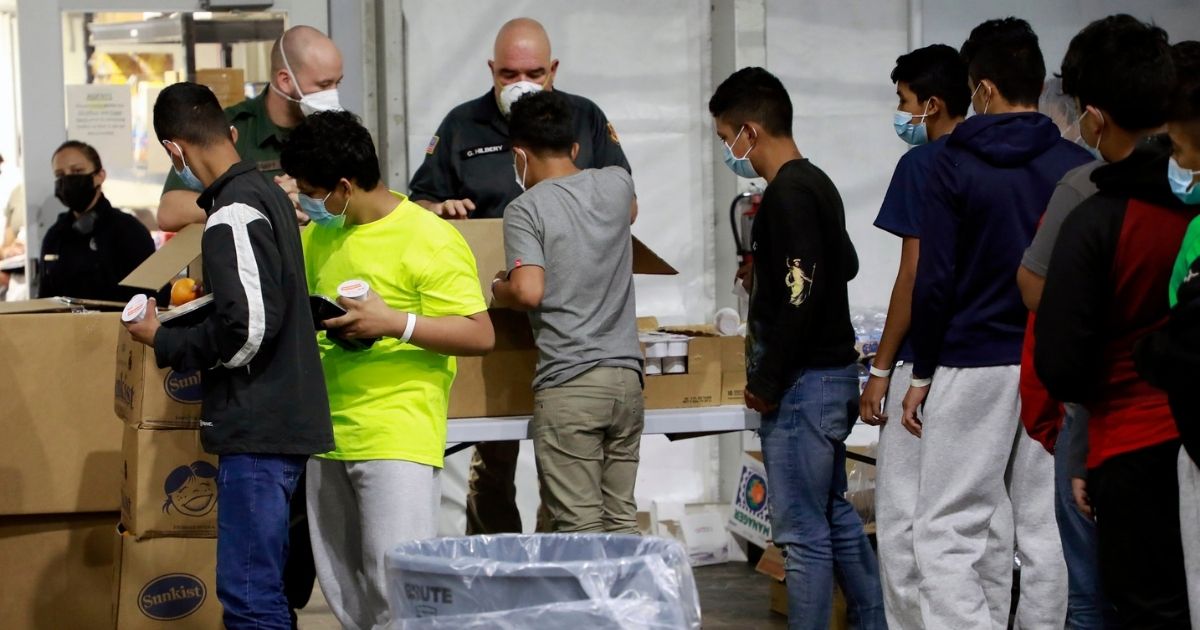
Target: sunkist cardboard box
point(170, 484)
point(164, 583)
point(61, 451)
point(57, 569)
point(144, 394)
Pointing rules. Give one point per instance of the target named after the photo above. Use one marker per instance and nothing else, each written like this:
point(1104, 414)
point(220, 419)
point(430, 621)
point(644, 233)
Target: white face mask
point(514, 91)
point(520, 177)
point(323, 101)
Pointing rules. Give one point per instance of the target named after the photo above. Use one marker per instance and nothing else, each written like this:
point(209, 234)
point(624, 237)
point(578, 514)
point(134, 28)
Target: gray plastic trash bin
point(542, 581)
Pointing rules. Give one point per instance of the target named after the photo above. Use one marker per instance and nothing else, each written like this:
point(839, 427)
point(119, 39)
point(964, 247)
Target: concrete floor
point(732, 596)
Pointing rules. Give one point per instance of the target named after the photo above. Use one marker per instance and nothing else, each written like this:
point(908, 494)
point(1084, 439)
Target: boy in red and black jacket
point(1106, 288)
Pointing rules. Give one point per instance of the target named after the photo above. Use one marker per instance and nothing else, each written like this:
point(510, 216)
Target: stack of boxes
point(59, 491)
point(165, 558)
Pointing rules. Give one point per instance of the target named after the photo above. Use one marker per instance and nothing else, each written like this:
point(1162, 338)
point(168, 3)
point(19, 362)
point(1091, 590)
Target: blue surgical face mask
point(315, 209)
point(913, 134)
point(189, 178)
point(1181, 183)
point(740, 166)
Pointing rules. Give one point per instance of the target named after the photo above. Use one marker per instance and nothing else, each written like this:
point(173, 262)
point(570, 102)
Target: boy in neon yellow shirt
point(389, 401)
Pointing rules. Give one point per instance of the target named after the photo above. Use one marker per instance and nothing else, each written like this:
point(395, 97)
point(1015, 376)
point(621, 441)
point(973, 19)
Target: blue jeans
point(253, 492)
point(1086, 606)
point(813, 524)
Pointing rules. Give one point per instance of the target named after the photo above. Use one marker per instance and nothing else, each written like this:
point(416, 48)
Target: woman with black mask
point(92, 246)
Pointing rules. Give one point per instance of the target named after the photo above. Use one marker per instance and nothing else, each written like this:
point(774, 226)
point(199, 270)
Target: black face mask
point(75, 191)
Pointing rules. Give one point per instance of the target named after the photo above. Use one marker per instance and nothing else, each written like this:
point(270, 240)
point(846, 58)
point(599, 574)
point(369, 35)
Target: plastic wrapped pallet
point(542, 581)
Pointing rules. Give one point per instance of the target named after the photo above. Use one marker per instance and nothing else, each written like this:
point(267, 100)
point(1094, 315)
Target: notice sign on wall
point(101, 115)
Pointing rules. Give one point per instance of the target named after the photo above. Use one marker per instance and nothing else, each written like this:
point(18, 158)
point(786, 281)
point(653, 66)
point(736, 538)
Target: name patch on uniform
point(270, 165)
point(485, 150)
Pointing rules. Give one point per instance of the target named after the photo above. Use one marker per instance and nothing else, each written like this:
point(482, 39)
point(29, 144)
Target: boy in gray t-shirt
point(570, 263)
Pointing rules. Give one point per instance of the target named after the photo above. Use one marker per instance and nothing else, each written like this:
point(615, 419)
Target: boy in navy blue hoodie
point(979, 470)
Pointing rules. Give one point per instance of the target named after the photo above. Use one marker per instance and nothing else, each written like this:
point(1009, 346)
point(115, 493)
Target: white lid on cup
point(354, 289)
point(135, 310)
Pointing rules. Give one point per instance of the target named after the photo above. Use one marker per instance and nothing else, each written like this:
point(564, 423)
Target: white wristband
point(408, 328)
point(921, 382)
point(880, 373)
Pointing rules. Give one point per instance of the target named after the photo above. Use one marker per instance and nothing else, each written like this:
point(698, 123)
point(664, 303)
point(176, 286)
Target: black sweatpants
point(1136, 499)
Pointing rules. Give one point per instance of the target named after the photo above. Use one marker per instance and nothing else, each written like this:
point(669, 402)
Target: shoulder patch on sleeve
point(433, 142)
point(612, 135)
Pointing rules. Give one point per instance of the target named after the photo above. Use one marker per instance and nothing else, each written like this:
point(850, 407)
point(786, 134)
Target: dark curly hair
point(329, 146)
point(935, 70)
point(542, 122)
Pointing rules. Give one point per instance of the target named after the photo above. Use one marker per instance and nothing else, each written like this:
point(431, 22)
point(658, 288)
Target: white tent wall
point(646, 65)
point(950, 21)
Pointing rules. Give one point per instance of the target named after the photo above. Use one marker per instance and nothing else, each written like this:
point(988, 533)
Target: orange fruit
point(184, 290)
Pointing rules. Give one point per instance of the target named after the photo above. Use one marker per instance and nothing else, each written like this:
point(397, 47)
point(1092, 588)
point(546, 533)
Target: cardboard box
point(144, 395)
point(61, 447)
point(501, 383)
point(701, 385)
point(229, 84)
point(733, 370)
point(170, 484)
point(771, 565)
point(751, 517)
point(149, 397)
point(165, 583)
point(701, 529)
point(57, 570)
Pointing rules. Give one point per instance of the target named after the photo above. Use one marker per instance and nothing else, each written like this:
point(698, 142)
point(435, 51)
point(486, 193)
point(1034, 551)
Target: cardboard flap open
point(486, 240)
point(57, 305)
point(646, 262)
point(161, 267)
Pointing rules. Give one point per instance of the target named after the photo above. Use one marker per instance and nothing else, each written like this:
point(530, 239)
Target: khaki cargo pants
point(586, 439)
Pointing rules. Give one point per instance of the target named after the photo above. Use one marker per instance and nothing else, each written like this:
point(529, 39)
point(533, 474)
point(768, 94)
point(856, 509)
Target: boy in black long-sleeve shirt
point(800, 356)
point(265, 407)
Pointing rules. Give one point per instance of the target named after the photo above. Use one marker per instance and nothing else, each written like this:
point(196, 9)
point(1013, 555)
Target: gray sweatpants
point(897, 473)
point(357, 512)
point(1189, 528)
point(979, 469)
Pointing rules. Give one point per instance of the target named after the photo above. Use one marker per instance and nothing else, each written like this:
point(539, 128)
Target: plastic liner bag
point(542, 581)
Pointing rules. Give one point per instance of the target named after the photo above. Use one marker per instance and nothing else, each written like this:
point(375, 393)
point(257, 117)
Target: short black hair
point(189, 112)
point(1122, 66)
point(328, 146)
point(1185, 99)
point(543, 122)
point(935, 70)
point(86, 149)
point(1006, 52)
point(753, 95)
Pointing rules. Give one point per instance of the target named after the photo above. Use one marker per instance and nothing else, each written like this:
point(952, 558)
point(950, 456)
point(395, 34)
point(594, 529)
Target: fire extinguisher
point(741, 219)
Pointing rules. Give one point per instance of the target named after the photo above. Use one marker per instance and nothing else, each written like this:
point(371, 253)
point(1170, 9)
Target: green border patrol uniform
point(470, 157)
point(259, 139)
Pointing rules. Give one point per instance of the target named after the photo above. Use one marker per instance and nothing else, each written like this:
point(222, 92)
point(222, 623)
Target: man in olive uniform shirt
point(468, 173)
point(306, 68)
point(307, 64)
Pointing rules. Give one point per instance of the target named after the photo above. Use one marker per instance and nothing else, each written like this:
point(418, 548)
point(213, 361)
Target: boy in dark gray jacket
point(265, 408)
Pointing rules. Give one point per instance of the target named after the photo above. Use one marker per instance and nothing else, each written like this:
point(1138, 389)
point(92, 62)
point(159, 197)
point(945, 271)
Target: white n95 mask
point(514, 91)
point(323, 101)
